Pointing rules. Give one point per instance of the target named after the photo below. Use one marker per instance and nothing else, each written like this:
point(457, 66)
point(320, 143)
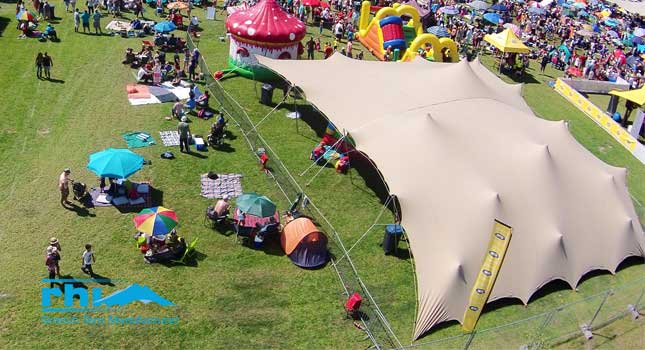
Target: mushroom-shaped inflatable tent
point(264, 29)
point(303, 243)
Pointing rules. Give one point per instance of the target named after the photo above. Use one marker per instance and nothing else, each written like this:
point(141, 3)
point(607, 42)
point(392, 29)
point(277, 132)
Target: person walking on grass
point(96, 17)
point(77, 19)
point(85, 18)
point(88, 259)
point(184, 134)
point(47, 65)
point(39, 65)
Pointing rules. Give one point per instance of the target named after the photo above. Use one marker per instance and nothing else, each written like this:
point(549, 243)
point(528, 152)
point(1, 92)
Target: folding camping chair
point(190, 250)
point(211, 219)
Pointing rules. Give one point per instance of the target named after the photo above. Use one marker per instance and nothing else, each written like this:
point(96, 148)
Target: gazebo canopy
point(637, 96)
point(507, 41)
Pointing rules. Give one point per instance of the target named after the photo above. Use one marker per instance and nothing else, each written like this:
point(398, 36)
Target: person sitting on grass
point(144, 75)
point(202, 101)
point(50, 32)
point(177, 110)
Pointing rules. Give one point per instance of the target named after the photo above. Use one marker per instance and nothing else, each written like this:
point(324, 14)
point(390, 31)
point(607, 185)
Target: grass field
point(234, 297)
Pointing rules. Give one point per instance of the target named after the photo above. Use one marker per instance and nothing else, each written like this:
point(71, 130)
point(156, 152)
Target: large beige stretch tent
point(460, 148)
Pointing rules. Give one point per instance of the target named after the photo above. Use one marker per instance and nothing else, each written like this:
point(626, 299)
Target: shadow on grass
point(70, 280)
point(80, 211)
point(191, 261)
point(57, 81)
point(102, 280)
point(439, 327)
point(4, 23)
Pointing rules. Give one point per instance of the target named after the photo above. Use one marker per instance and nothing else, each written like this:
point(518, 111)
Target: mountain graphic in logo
point(133, 293)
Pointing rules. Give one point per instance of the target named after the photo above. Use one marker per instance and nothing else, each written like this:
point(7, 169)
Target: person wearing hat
point(222, 207)
point(63, 186)
point(184, 133)
point(52, 258)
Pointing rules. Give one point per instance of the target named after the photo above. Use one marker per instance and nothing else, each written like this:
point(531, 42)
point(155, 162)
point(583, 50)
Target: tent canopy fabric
point(294, 231)
point(637, 96)
point(507, 41)
point(468, 152)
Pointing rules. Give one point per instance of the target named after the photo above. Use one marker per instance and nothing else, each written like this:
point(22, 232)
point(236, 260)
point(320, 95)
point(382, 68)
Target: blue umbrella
point(579, 5)
point(637, 40)
point(449, 10)
point(439, 31)
point(613, 34)
point(610, 22)
point(165, 27)
point(583, 13)
point(499, 7)
point(537, 11)
point(115, 163)
point(492, 18)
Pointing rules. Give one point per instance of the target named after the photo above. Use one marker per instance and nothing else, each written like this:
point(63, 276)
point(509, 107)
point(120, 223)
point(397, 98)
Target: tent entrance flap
point(493, 259)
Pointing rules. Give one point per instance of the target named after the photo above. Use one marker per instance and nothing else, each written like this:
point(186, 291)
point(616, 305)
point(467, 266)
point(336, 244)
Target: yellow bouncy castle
point(386, 29)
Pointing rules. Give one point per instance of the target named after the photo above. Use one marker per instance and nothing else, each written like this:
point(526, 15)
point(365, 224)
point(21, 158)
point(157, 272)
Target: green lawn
point(234, 297)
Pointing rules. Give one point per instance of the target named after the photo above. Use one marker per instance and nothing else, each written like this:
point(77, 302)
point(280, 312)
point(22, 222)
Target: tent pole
point(378, 217)
point(268, 114)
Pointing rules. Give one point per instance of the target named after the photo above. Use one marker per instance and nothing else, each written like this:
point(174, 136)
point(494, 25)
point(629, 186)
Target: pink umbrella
point(311, 3)
point(514, 28)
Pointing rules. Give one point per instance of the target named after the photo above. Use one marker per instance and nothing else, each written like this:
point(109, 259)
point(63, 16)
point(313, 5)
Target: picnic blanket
point(138, 139)
point(119, 26)
point(229, 184)
point(102, 199)
point(139, 94)
point(169, 138)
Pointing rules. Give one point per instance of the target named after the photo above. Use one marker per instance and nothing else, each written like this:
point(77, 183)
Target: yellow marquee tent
point(507, 41)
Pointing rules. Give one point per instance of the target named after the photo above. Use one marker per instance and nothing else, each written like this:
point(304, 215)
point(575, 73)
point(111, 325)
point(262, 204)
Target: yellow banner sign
point(493, 259)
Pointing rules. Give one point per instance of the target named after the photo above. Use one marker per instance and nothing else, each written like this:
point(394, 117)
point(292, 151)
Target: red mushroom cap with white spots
point(266, 22)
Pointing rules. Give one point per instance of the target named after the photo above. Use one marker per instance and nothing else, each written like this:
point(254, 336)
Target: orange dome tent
point(303, 243)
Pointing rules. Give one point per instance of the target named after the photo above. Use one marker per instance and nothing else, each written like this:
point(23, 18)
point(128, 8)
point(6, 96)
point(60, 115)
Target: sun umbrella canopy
point(583, 13)
point(637, 40)
point(610, 22)
point(492, 18)
point(254, 204)
point(439, 31)
point(639, 32)
point(115, 163)
point(25, 15)
point(499, 7)
point(479, 5)
point(165, 27)
point(156, 221)
point(449, 10)
point(537, 11)
point(612, 33)
point(585, 32)
point(179, 5)
point(312, 3)
point(516, 30)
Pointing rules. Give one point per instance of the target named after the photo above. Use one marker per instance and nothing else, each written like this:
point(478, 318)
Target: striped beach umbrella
point(156, 221)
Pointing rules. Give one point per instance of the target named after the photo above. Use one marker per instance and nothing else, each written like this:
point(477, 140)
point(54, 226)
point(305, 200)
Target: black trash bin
point(266, 98)
point(391, 238)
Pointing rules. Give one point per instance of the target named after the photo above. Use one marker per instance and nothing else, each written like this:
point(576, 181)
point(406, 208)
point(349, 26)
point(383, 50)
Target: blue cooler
point(391, 238)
